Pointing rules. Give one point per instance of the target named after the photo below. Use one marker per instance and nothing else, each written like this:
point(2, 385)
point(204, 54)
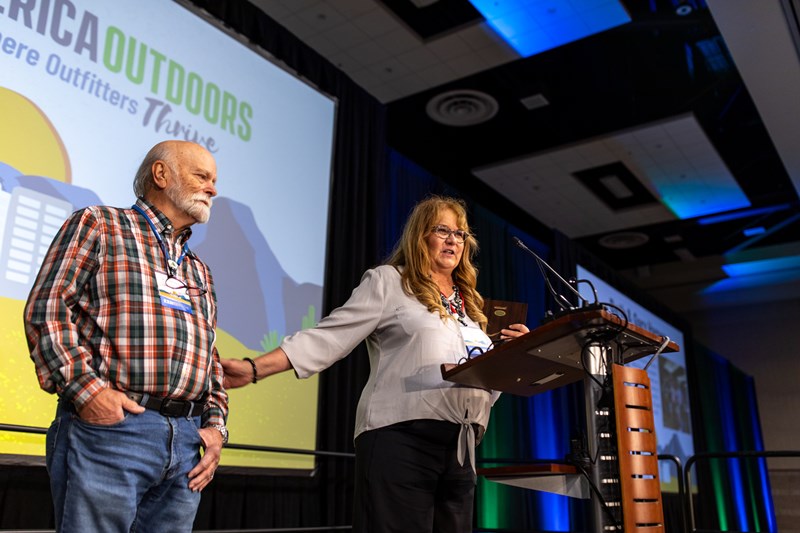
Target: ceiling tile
point(321, 16)
point(369, 53)
point(418, 58)
point(323, 45)
point(449, 47)
point(389, 70)
point(375, 23)
point(437, 74)
point(399, 41)
point(354, 8)
point(301, 28)
point(346, 36)
point(275, 8)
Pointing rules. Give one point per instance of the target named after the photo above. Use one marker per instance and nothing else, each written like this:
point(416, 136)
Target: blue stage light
point(762, 266)
point(758, 230)
point(750, 281)
point(534, 27)
point(725, 217)
point(689, 200)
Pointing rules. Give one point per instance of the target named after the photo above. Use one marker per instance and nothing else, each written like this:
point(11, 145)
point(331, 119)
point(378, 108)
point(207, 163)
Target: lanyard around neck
point(172, 265)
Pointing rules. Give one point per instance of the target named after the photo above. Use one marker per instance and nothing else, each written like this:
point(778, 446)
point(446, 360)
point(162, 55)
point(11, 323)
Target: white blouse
point(406, 345)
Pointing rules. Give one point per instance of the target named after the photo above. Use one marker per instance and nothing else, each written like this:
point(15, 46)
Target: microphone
point(541, 263)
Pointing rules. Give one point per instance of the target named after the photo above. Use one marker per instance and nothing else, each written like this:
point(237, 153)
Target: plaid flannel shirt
point(94, 318)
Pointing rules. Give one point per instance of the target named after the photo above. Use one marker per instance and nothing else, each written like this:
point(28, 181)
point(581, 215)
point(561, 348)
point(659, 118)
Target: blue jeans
point(127, 477)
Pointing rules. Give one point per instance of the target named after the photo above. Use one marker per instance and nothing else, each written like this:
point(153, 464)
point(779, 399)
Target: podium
point(589, 345)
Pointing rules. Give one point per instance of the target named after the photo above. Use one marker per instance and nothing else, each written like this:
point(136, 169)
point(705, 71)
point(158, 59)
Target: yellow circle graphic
point(28, 140)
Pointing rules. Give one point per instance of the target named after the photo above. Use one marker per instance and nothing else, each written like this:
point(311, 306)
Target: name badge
point(476, 342)
point(174, 298)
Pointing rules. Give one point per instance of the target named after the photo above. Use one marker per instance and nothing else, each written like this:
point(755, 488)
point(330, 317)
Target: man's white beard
point(193, 204)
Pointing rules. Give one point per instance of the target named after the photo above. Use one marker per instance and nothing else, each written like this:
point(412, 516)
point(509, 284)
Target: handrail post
point(723, 455)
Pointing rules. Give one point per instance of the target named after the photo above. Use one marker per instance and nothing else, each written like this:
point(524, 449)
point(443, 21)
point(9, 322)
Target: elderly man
point(121, 325)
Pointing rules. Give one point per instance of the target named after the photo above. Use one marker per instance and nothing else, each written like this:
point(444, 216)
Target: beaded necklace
point(456, 305)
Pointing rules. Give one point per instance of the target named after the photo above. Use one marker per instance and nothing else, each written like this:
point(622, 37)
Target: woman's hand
point(513, 331)
point(238, 373)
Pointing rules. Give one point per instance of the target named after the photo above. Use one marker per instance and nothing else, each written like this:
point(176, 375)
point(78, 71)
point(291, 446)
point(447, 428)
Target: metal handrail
point(23, 429)
point(268, 530)
point(684, 473)
point(278, 530)
point(722, 455)
point(273, 449)
point(230, 445)
point(681, 487)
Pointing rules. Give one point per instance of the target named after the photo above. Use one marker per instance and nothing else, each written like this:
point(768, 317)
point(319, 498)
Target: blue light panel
point(759, 230)
point(742, 214)
point(715, 54)
point(761, 266)
point(534, 26)
point(689, 200)
point(687, 49)
point(758, 237)
point(785, 274)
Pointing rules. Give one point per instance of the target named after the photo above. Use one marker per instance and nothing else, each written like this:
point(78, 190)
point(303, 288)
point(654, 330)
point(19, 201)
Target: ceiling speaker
point(462, 108)
point(623, 240)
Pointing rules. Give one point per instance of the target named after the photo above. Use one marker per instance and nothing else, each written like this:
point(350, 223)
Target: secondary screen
point(668, 379)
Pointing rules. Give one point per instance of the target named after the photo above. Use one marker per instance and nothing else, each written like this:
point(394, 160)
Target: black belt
point(166, 406)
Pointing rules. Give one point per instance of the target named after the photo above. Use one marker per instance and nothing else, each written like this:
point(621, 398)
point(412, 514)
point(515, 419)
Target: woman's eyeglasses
point(443, 232)
point(476, 351)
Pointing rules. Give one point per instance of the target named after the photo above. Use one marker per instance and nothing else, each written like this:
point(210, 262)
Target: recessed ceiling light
point(616, 187)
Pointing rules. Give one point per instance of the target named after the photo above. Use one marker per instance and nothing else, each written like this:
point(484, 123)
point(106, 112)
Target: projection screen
point(86, 88)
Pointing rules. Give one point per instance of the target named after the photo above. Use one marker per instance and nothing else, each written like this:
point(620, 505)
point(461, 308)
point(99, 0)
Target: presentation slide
point(86, 89)
point(667, 374)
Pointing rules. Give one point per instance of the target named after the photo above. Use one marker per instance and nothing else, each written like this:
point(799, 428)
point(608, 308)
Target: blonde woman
point(415, 433)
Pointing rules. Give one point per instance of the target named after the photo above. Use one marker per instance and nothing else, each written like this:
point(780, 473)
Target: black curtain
point(25, 498)
point(732, 494)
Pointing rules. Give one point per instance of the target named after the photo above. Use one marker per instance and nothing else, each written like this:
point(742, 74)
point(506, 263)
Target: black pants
point(408, 480)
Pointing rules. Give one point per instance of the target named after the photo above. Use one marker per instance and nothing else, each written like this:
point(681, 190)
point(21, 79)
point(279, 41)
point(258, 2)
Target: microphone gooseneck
point(560, 299)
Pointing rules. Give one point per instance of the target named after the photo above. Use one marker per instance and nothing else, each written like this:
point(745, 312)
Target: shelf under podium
point(547, 477)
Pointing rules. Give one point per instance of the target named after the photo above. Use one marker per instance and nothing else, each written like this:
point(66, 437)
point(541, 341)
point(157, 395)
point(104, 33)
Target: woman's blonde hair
point(411, 253)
